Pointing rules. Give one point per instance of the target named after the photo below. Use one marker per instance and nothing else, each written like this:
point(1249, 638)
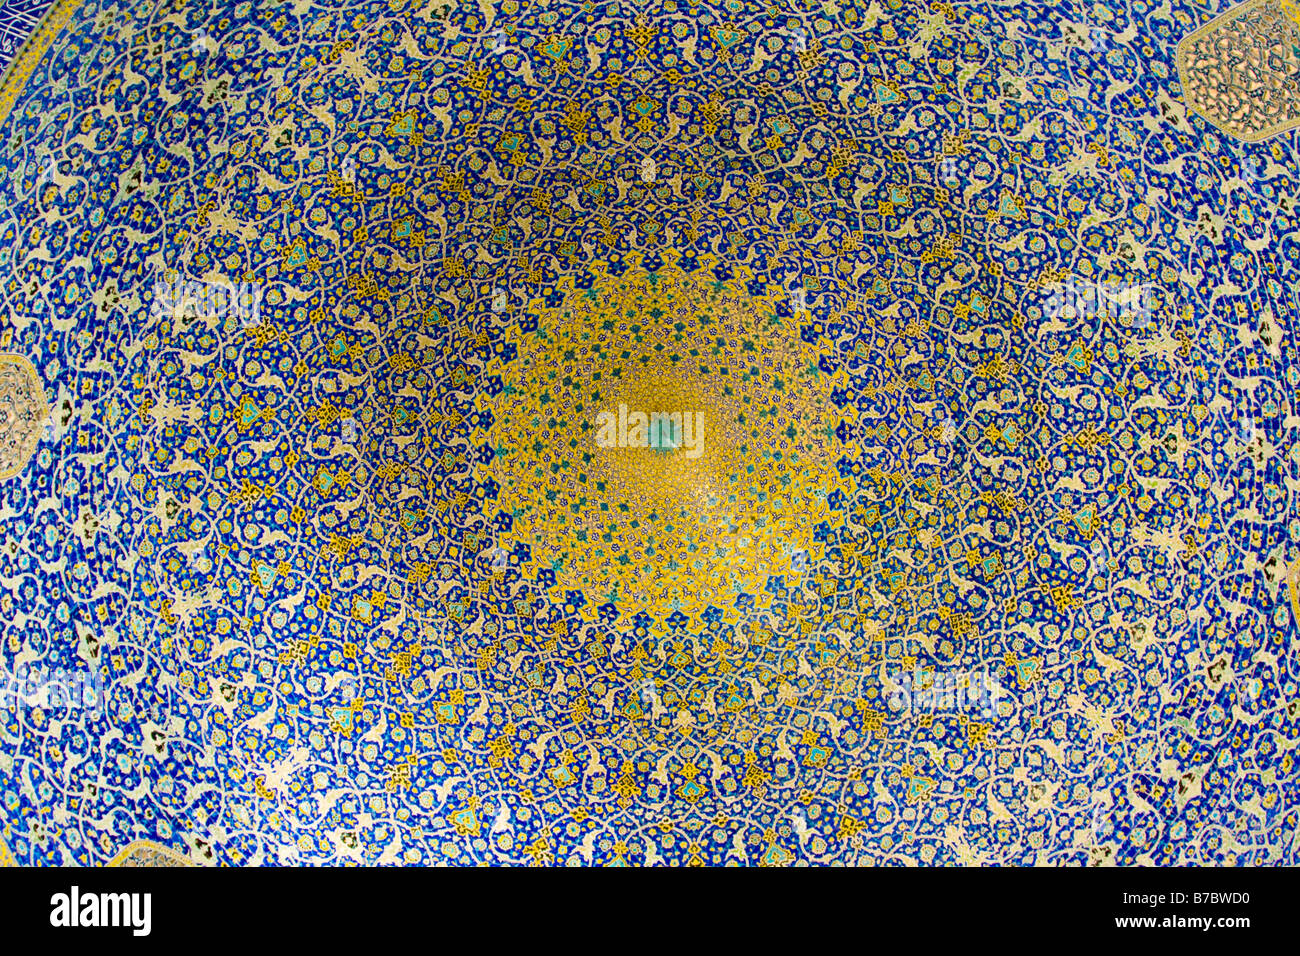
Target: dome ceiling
point(624, 433)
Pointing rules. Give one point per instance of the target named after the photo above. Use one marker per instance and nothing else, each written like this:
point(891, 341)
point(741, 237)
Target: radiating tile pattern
point(650, 528)
point(989, 555)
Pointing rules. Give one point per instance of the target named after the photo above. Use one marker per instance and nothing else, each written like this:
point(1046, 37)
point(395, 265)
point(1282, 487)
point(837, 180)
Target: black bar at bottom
point(337, 907)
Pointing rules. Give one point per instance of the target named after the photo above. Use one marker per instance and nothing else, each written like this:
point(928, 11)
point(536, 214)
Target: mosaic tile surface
point(990, 552)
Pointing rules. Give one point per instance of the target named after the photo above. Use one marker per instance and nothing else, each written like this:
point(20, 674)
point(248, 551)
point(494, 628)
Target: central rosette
point(665, 439)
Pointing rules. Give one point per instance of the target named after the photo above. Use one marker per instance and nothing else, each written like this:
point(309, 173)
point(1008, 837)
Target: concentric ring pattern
point(332, 538)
